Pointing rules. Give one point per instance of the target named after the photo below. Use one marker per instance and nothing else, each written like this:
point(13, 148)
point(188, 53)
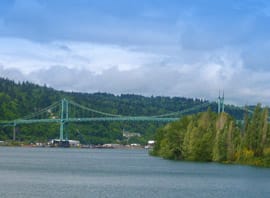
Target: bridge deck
point(99, 119)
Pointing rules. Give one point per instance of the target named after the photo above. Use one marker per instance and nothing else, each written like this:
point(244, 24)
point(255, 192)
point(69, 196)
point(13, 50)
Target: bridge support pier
point(61, 136)
point(64, 119)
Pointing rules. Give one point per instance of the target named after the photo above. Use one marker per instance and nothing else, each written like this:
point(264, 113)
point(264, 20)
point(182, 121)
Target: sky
point(149, 47)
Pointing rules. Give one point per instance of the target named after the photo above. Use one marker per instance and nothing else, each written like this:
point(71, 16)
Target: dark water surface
point(56, 172)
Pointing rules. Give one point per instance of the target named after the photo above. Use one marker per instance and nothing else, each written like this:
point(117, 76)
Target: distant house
point(130, 134)
point(64, 143)
point(74, 143)
point(151, 142)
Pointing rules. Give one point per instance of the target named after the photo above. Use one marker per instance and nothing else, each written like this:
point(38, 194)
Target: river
point(64, 173)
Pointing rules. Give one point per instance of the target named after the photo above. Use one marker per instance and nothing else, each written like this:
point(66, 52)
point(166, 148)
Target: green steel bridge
point(66, 111)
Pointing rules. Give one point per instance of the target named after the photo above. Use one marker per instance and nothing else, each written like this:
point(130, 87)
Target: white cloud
point(28, 56)
point(91, 67)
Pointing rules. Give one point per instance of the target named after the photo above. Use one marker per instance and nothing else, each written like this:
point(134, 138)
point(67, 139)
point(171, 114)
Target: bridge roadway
point(64, 110)
point(124, 118)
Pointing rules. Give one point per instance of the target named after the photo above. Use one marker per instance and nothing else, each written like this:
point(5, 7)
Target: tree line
point(18, 99)
point(211, 137)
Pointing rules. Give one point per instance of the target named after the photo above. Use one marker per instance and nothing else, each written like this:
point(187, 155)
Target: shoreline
point(101, 146)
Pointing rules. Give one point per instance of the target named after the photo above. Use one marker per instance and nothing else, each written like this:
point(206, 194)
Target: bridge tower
point(64, 119)
point(220, 103)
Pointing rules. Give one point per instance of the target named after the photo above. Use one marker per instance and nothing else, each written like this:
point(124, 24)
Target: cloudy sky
point(149, 47)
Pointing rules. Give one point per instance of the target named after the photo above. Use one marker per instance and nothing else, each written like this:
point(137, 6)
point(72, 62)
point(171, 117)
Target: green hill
point(20, 99)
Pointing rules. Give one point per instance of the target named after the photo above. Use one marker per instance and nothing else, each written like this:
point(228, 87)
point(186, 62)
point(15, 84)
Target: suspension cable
point(32, 115)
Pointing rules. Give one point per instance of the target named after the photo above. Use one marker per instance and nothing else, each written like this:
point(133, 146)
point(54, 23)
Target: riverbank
point(45, 145)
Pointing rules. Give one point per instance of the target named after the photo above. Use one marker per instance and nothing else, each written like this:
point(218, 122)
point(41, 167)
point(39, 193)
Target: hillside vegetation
point(20, 99)
point(218, 138)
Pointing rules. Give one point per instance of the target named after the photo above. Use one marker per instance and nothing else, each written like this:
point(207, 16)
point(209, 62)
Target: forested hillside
point(219, 138)
point(20, 99)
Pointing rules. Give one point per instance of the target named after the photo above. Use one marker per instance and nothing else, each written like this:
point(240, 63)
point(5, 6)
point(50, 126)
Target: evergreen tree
point(253, 135)
point(264, 130)
point(230, 145)
point(219, 148)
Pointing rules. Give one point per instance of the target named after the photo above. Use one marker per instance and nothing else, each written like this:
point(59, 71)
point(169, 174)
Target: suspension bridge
point(67, 111)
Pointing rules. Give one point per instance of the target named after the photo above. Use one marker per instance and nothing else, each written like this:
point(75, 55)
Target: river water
point(57, 172)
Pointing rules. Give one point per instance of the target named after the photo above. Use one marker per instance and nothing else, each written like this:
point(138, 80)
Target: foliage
point(20, 99)
point(208, 136)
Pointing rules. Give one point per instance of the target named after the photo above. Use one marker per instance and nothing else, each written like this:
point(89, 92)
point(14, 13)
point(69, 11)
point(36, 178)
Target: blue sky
point(150, 47)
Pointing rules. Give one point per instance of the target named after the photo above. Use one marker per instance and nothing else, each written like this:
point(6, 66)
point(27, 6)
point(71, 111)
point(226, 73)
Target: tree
point(219, 148)
point(252, 137)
